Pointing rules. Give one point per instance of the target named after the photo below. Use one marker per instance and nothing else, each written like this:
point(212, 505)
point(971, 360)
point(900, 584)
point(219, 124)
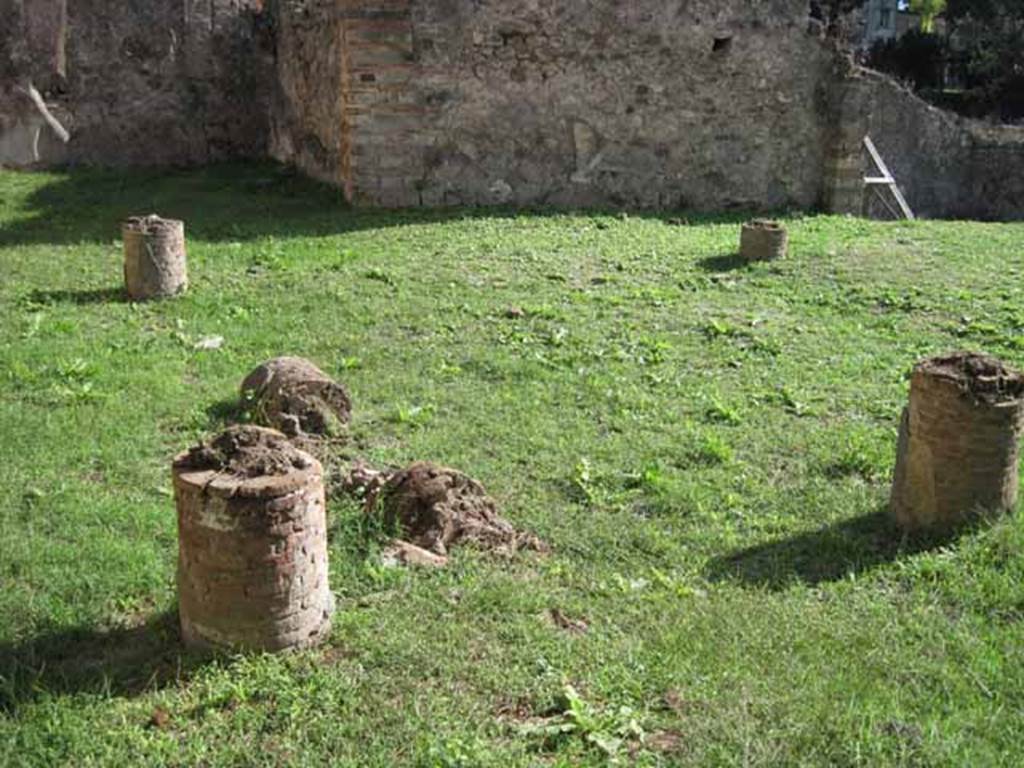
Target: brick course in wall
point(383, 115)
point(378, 118)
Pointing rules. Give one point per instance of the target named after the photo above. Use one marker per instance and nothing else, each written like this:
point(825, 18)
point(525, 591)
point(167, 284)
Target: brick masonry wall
point(706, 105)
point(348, 109)
point(386, 117)
point(703, 104)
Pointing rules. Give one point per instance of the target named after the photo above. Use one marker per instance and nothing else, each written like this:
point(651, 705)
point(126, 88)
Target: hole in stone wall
point(721, 44)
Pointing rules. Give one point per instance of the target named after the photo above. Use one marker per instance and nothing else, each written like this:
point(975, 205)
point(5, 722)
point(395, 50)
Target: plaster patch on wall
point(587, 146)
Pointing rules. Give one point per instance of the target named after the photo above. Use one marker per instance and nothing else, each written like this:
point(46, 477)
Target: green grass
point(706, 447)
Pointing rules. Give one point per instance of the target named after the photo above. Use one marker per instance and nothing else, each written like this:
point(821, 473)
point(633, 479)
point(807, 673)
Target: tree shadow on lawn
point(87, 296)
point(124, 661)
point(226, 412)
point(827, 554)
point(726, 262)
point(231, 203)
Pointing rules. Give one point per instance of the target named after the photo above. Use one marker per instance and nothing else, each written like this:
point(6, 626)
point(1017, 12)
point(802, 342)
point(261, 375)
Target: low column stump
point(762, 240)
point(959, 443)
point(252, 544)
point(154, 257)
point(293, 395)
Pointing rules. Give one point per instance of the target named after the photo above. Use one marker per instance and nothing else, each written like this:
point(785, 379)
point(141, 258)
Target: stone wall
point(947, 166)
point(137, 82)
point(32, 53)
point(700, 103)
point(694, 103)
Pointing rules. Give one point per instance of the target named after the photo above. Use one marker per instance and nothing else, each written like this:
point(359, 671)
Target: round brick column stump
point(762, 240)
point(959, 443)
point(154, 257)
point(252, 556)
point(293, 395)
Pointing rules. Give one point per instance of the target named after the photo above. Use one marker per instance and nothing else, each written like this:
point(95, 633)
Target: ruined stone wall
point(947, 166)
point(700, 103)
point(32, 54)
point(704, 104)
point(188, 84)
point(690, 103)
point(137, 82)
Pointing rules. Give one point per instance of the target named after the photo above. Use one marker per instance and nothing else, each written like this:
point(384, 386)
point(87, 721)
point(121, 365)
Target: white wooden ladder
point(885, 180)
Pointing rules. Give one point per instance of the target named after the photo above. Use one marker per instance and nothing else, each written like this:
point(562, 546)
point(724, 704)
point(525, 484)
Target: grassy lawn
point(705, 446)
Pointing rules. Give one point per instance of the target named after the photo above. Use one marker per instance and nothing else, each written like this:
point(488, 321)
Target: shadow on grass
point(94, 296)
point(231, 202)
point(828, 554)
point(235, 202)
point(727, 262)
point(226, 412)
point(116, 662)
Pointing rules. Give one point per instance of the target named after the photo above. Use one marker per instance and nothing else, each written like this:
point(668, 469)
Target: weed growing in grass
point(709, 449)
point(724, 414)
point(416, 416)
point(607, 730)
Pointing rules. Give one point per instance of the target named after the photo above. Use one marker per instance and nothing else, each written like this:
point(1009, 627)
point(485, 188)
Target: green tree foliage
point(987, 36)
point(957, 10)
point(917, 58)
point(928, 10)
point(976, 67)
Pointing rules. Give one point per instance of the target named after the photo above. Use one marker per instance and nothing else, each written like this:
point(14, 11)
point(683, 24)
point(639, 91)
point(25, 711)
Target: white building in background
point(880, 21)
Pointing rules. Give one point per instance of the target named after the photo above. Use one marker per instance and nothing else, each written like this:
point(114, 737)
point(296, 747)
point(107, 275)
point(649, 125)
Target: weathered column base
point(252, 557)
point(958, 452)
point(154, 257)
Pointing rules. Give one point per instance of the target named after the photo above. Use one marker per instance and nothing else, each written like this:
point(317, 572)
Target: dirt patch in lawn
point(435, 507)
